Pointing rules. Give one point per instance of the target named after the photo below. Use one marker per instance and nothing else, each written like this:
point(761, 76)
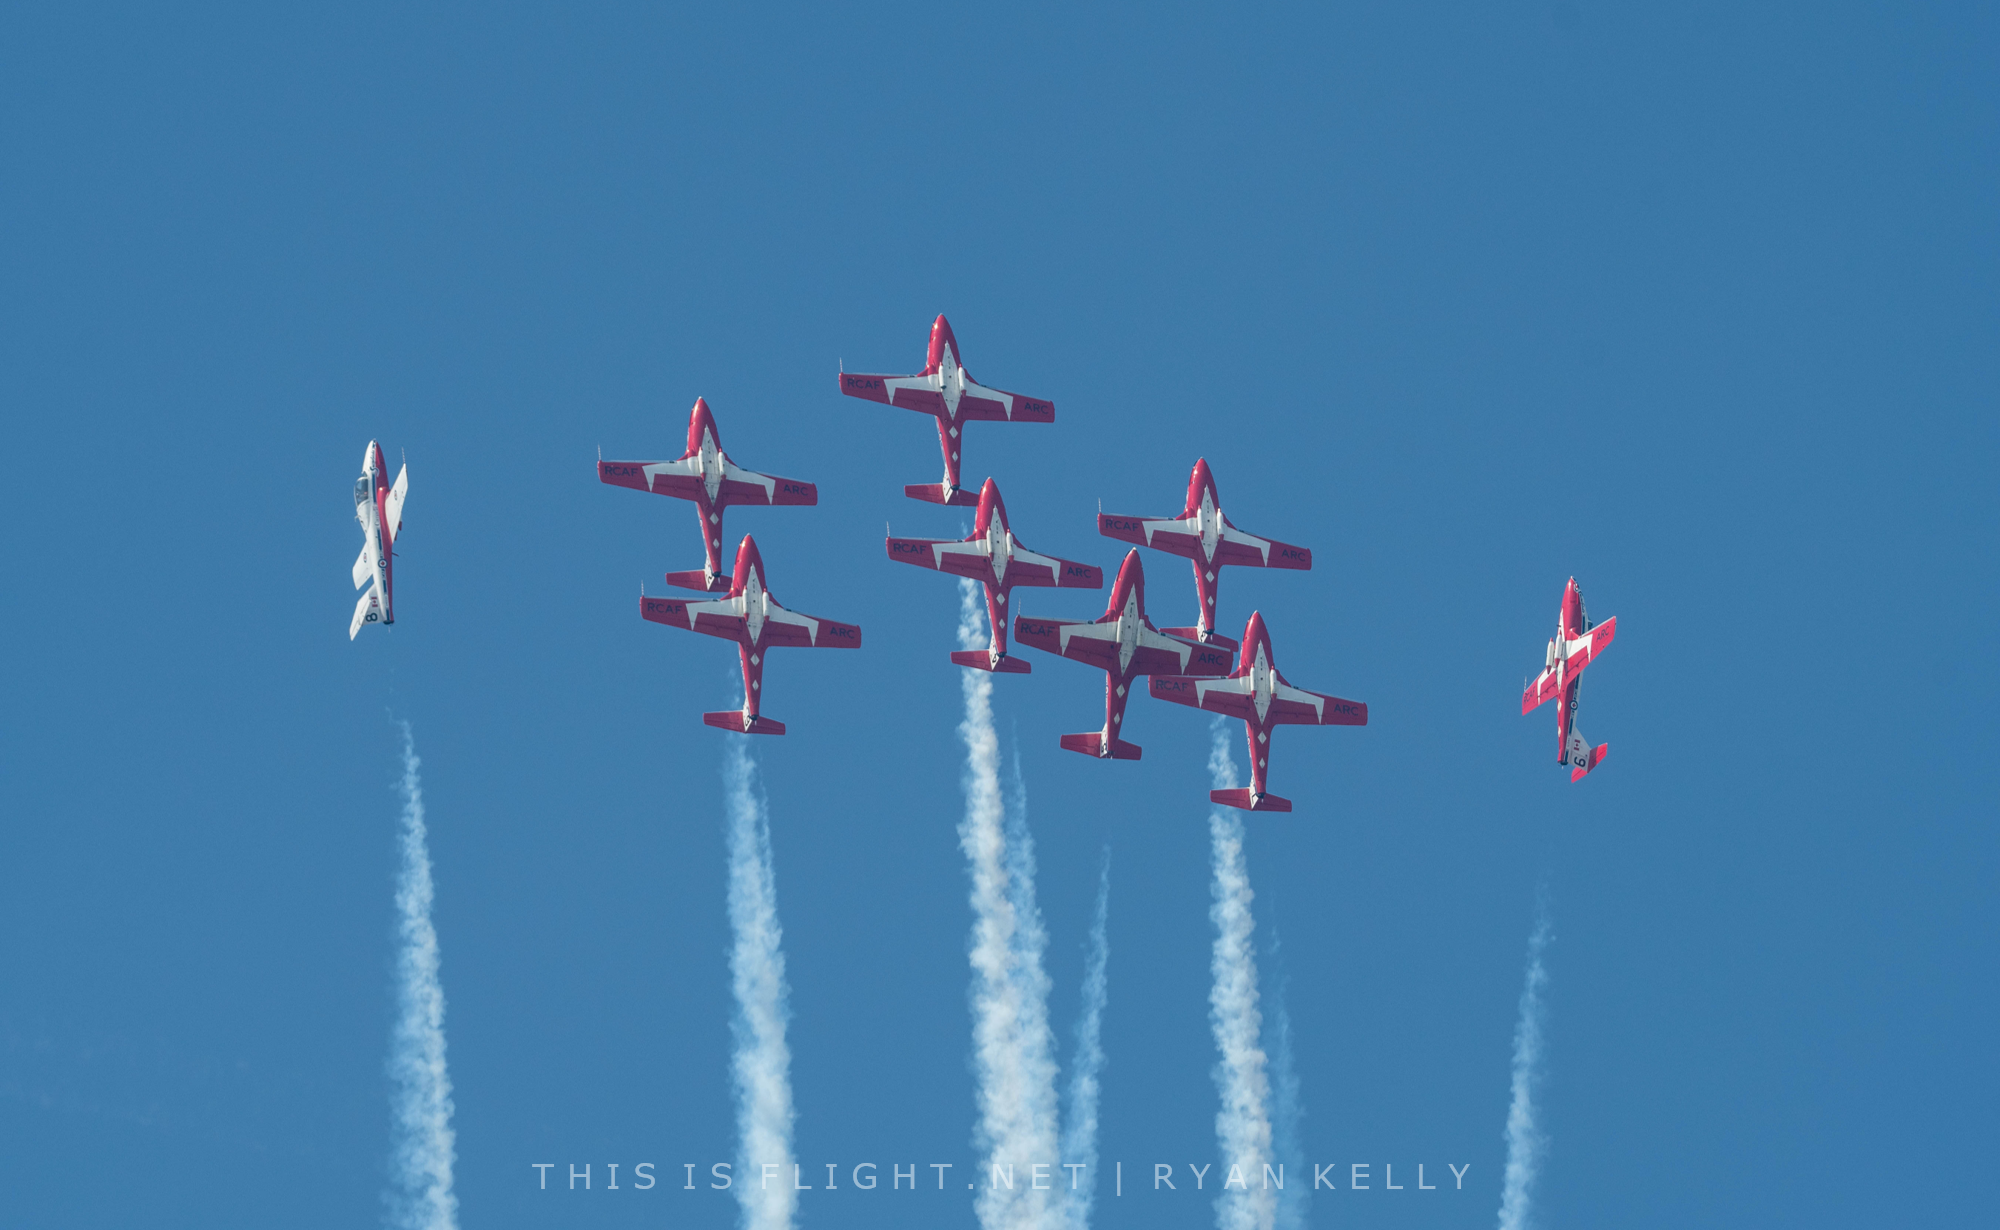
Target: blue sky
point(1694, 303)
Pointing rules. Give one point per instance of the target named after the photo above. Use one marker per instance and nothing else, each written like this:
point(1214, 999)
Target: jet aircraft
point(1265, 700)
point(1125, 645)
point(999, 561)
point(378, 506)
point(1576, 644)
point(1201, 533)
point(706, 475)
point(751, 617)
point(947, 391)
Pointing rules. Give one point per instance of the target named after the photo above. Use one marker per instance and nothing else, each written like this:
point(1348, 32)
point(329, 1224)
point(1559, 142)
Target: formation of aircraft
point(378, 506)
point(1195, 666)
point(1575, 645)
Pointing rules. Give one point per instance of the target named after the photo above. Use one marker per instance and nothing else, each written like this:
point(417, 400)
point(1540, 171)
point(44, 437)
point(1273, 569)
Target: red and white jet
point(1577, 642)
point(1201, 533)
point(1262, 697)
point(706, 475)
point(751, 617)
point(947, 391)
point(378, 506)
point(999, 561)
point(1125, 645)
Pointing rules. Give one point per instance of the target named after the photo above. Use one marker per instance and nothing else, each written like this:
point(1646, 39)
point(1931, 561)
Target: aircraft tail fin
point(364, 567)
point(366, 611)
point(1093, 744)
point(698, 579)
point(935, 493)
point(1248, 801)
point(744, 723)
point(982, 660)
point(1582, 757)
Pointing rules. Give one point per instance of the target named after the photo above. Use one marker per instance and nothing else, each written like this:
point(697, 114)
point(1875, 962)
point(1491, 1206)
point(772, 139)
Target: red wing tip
point(736, 720)
point(1243, 799)
point(982, 660)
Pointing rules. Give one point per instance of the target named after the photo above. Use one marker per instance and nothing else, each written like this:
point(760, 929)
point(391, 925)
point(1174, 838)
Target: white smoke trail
point(422, 1149)
point(1010, 1030)
point(762, 1061)
point(1243, 1125)
point(1080, 1132)
point(1525, 1140)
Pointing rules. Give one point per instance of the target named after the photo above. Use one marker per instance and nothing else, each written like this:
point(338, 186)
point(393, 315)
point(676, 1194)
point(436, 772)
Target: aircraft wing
point(392, 524)
point(964, 559)
point(921, 393)
point(1235, 698)
point(682, 478)
point(1031, 568)
point(743, 486)
point(718, 618)
point(1097, 644)
point(1178, 536)
point(970, 559)
point(789, 628)
point(1582, 652)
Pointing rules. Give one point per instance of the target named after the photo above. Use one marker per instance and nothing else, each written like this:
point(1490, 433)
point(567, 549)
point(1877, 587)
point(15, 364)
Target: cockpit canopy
point(364, 490)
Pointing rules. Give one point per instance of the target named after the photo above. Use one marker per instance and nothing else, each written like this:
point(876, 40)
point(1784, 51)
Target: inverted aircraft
point(1125, 645)
point(706, 475)
point(1203, 534)
point(378, 506)
point(1576, 644)
point(1257, 693)
point(945, 390)
point(999, 561)
point(751, 617)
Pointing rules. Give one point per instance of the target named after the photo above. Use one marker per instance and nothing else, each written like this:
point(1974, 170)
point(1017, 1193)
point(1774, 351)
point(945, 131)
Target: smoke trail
point(1010, 1030)
point(422, 1149)
point(1243, 1125)
point(1080, 1132)
point(1286, 1108)
point(762, 1062)
point(1525, 1141)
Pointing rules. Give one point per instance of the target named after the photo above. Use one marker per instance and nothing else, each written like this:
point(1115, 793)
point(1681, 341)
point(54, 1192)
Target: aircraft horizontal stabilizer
point(934, 493)
point(698, 579)
point(737, 720)
point(982, 660)
point(366, 611)
point(1243, 799)
point(1595, 758)
point(1092, 744)
point(1215, 639)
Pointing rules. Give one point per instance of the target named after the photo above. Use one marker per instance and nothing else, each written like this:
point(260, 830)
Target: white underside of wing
point(1260, 545)
point(1299, 696)
point(737, 473)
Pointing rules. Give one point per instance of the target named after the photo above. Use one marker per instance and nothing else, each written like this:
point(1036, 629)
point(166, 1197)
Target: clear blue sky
point(1696, 303)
